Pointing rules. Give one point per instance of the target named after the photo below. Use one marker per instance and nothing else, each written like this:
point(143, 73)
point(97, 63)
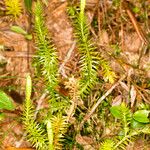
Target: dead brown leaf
point(85, 141)
point(132, 95)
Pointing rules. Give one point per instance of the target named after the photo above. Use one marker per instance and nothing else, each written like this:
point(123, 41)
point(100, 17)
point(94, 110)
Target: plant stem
point(128, 137)
point(50, 134)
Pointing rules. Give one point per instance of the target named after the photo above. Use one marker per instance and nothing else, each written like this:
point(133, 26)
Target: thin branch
point(138, 29)
point(68, 55)
point(39, 103)
point(100, 100)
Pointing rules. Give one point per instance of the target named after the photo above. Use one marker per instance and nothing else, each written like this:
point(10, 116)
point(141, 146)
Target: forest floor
point(121, 32)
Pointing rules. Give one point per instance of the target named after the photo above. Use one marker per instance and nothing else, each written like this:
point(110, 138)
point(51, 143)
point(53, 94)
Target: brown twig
point(138, 29)
point(66, 59)
point(142, 91)
point(39, 103)
point(140, 32)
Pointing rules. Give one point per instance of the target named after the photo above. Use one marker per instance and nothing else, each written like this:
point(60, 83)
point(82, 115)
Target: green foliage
point(141, 116)
point(90, 59)
point(58, 103)
point(46, 53)
point(116, 3)
point(125, 118)
point(107, 145)
point(42, 136)
point(46, 61)
point(116, 50)
point(49, 133)
point(6, 101)
point(108, 74)
point(59, 126)
point(35, 133)
point(28, 4)
point(136, 9)
point(2, 116)
point(56, 127)
point(13, 7)
point(130, 137)
point(19, 30)
point(135, 124)
point(130, 128)
point(115, 111)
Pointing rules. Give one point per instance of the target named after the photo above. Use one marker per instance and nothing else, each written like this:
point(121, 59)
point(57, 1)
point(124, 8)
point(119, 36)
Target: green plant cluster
point(48, 133)
point(132, 125)
point(90, 58)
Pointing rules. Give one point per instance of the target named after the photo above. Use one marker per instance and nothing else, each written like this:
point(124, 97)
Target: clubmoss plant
point(47, 60)
point(46, 135)
point(107, 145)
point(90, 59)
point(35, 134)
point(13, 7)
point(49, 133)
point(47, 55)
